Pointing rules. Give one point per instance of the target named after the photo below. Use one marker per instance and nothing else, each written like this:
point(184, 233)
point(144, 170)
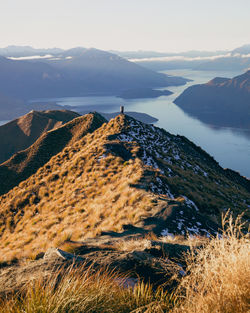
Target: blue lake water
point(230, 147)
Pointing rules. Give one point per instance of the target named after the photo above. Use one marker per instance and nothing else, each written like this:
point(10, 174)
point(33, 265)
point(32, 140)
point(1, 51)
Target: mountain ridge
point(19, 134)
point(25, 163)
point(123, 174)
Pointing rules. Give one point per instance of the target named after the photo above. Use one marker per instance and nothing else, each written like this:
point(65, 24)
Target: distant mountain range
point(237, 59)
point(76, 72)
point(154, 54)
point(27, 73)
point(221, 101)
point(25, 51)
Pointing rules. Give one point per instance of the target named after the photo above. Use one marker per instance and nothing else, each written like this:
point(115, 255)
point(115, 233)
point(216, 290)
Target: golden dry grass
point(80, 193)
point(217, 281)
point(85, 190)
point(218, 277)
point(81, 290)
point(133, 244)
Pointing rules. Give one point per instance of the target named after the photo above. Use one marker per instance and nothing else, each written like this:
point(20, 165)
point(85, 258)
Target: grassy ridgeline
point(217, 281)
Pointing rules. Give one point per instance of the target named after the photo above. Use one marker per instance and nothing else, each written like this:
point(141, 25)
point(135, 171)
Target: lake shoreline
point(229, 146)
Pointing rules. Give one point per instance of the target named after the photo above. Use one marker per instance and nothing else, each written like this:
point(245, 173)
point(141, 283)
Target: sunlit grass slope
point(123, 172)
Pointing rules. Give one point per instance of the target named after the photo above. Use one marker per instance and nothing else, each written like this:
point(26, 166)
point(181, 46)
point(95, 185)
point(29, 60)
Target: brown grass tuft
point(218, 277)
point(82, 290)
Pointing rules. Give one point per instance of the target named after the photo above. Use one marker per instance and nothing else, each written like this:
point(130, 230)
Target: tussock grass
point(85, 291)
point(87, 202)
point(218, 277)
point(217, 280)
point(87, 189)
point(133, 244)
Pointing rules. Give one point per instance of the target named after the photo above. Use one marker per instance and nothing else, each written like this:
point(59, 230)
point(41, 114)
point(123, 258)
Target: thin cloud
point(184, 58)
point(33, 57)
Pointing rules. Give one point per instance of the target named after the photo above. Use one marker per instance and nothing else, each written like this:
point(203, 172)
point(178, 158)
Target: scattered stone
point(55, 254)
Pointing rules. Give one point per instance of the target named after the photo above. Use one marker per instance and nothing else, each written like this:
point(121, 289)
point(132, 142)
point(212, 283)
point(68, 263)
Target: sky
point(158, 25)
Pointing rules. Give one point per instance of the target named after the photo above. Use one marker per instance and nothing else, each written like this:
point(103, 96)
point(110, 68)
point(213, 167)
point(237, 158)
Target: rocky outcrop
point(148, 264)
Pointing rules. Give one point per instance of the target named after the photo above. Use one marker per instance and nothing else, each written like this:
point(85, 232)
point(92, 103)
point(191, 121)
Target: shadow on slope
point(19, 134)
point(25, 163)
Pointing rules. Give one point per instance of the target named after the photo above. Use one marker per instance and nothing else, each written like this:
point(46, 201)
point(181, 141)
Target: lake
point(230, 147)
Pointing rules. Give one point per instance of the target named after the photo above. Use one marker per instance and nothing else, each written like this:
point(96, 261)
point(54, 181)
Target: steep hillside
point(123, 175)
point(222, 101)
point(21, 133)
point(25, 163)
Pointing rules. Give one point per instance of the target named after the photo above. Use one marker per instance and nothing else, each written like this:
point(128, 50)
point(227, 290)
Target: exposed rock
point(139, 264)
point(57, 254)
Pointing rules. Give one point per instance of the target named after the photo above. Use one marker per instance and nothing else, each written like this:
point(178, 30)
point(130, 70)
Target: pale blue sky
point(162, 25)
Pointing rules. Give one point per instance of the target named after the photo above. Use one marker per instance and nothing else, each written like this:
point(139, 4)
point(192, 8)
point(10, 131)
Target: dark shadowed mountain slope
point(23, 79)
point(108, 71)
point(123, 175)
point(222, 101)
point(25, 163)
point(21, 133)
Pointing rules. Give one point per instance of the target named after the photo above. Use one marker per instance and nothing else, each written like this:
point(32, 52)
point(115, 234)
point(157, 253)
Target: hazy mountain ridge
point(234, 60)
point(24, 51)
point(124, 172)
point(90, 71)
point(222, 101)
